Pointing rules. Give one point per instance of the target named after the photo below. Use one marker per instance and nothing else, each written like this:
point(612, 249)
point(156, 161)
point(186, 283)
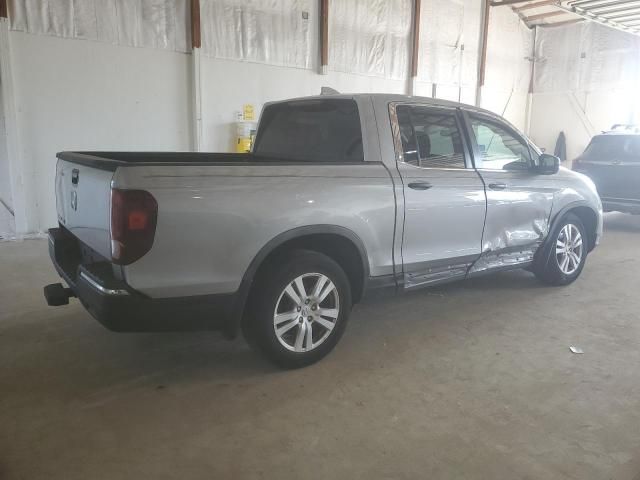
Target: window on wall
point(430, 137)
point(370, 37)
point(276, 32)
point(499, 148)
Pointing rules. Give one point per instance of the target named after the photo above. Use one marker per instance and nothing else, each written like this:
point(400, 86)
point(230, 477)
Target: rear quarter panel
point(214, 219)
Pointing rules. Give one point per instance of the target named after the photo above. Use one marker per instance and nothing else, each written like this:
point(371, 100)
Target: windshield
point(311, 131)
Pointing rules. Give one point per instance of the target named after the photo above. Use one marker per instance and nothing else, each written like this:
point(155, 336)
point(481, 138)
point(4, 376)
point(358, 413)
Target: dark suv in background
point(612, 161)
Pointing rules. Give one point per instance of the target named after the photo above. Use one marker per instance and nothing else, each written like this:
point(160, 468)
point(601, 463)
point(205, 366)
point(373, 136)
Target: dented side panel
point(518, 218)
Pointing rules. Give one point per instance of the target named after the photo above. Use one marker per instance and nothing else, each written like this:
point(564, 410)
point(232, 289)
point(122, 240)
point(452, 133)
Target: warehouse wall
point(228, 84)
point(85, 78)
point(509, 64)
point(79, 95)
point(586, 80)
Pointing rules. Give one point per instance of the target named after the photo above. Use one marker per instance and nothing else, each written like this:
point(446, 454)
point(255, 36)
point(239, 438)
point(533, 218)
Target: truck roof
point(389, 97)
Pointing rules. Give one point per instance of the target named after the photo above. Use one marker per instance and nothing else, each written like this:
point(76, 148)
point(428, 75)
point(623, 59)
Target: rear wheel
point(568, 252)
point(300, 309)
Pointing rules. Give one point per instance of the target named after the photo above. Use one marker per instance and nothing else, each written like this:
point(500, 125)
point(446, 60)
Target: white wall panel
point(74, 95)
point(449, 31)
point(508, 67)
point(136, 23)
point(275, 32)
point(585, 56)
point(370, 37)
point(586, 80)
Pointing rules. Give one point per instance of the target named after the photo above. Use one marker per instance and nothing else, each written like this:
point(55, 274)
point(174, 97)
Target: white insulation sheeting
point(585, 57)
point(510, 52)
point(370, 37)
point(449, 31)
point(136, 23)
point(275, 32)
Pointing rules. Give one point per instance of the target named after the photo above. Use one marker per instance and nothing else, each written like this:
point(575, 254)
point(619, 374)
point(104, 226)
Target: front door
point(444, 199)
point(518, 200)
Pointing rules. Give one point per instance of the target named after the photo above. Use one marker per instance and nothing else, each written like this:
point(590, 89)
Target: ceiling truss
point(620, 14)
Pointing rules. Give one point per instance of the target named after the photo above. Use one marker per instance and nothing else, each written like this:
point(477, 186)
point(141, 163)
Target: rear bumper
point(122, 309)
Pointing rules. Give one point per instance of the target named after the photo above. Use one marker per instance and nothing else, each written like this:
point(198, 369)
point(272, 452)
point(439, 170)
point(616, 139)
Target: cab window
point(430, 137)
point(499, 148)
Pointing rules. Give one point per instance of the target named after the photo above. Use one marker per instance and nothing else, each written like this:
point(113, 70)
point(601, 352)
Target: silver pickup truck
point(343, 196)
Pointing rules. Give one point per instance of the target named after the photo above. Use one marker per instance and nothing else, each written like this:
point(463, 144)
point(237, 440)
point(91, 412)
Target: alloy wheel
point(306, 312)
point(569, 249)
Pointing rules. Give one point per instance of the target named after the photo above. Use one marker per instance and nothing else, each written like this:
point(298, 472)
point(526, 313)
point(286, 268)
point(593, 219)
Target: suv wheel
point(568, 252)
point(300, 309)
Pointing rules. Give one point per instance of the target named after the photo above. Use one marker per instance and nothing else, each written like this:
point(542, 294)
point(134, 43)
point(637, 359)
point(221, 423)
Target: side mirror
point(547, 164)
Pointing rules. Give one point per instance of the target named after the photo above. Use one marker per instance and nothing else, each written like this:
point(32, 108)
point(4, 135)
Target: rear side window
point(326, 130)
point(430, 137)
point(605, 147)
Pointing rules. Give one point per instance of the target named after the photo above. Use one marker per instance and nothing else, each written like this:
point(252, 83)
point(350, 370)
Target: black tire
point(268, 294)
point(548, 269)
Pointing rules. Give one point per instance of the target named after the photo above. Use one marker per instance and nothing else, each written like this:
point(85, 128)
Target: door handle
point(497, 186)
point(420, 185)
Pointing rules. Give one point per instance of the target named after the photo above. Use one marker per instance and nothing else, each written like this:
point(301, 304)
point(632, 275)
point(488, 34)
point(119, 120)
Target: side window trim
point(466, 114)
point(460, 124)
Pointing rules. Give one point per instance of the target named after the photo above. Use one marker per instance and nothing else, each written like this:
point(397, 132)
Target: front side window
point(326, 130)
point(430, 137)
point(499, 148)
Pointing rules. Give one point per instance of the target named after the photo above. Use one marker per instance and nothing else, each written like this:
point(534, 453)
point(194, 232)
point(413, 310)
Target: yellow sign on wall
point(247, 112)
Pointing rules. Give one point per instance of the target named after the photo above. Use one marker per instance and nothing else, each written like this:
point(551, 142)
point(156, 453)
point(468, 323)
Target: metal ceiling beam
point(599, 10)
point(542, 3)
point(584, 12)
point(624, 16)
point(594, 3)
point(540, 16)
point(507, 2)
point(564, 22)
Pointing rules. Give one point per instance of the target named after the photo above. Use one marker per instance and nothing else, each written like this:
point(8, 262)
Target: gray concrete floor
point(471, 380)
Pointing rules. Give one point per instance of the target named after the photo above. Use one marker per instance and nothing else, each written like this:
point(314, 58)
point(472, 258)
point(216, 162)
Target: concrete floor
point(471, 380)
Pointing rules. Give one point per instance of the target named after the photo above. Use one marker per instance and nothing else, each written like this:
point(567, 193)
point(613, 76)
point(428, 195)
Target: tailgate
point(83, 200)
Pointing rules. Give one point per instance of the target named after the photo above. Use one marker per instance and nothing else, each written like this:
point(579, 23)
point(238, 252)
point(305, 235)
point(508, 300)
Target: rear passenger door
point(518, 199)
point(444, 199)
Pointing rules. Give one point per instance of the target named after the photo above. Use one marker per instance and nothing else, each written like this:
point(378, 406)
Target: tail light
point(133, 224)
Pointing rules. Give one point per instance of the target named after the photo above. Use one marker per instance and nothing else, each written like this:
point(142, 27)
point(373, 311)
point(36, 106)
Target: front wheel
point(300, 309)
point(568, 252)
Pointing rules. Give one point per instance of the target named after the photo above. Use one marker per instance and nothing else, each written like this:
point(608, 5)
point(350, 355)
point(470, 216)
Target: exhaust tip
point(56, 294)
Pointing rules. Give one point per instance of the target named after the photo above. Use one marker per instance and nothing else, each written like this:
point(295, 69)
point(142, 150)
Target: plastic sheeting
point(510, 52)
point(370, 37)
point(266, 31)
point(137, 23)
point(585, 57)
point(449, 33)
